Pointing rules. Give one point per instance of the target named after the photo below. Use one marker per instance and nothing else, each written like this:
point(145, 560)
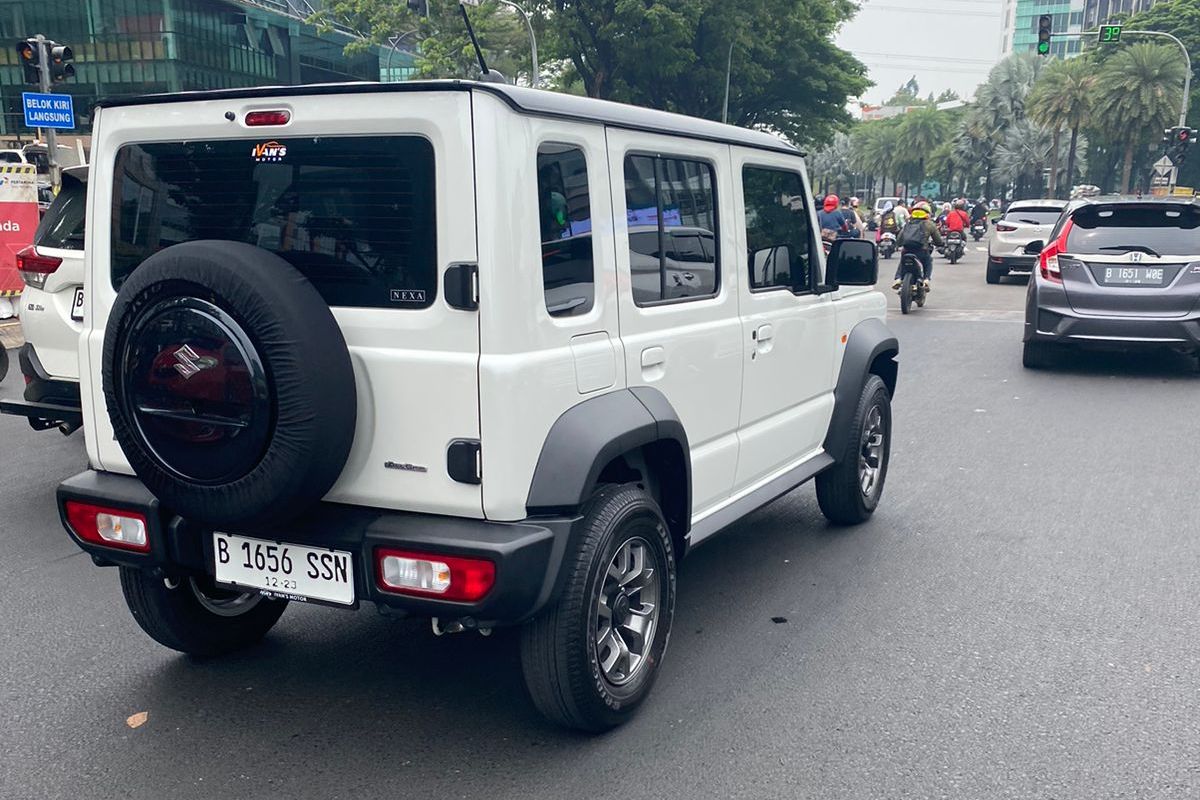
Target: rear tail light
point(259, 118)
point(1005, 227)
point(441, 577)
point(34, 267)
point(1048, 260)
point(110, 527)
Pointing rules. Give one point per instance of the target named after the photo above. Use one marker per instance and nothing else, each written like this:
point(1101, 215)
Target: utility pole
point(51, 136)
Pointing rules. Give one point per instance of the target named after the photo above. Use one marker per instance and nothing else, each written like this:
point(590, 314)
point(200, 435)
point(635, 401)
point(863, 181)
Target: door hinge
point(462, 286)
point(464, 461)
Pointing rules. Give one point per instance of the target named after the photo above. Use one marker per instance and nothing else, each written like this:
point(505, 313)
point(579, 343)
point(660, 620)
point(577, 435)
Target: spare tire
point(228, 383)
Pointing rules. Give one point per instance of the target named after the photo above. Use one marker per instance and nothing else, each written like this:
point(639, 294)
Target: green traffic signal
point(1045, 23)
point(1043, 48)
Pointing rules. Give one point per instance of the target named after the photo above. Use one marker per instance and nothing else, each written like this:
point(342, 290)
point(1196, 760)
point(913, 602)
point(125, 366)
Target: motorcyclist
point(979, 211)
point(918, 237)
point(853, 221)
point(888, 222)
point(830, 219)
point(957, 219)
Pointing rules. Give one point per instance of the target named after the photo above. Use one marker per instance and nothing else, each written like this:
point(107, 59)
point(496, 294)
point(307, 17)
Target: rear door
point(1133, 260)
point(370, 196)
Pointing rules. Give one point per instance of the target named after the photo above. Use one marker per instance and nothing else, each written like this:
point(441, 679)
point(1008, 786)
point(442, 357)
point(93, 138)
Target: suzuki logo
point(1135, 256)
point(188, 362)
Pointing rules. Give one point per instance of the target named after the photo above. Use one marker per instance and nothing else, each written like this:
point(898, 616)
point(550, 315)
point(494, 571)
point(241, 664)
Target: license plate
point(284, 571)
point(1132, 276)
point(77, 305)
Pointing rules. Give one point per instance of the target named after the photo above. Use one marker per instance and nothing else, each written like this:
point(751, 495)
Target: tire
point(258, 436)
point(561, 656)
point(954, 258)
point(1038, 355)
point(3, 362)
point(994, 275)
point(177, 618)
point(906, 291)
point(842, 491)
point(920, 297)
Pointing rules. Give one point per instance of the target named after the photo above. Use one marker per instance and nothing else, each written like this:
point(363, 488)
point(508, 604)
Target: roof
point(536, 102)
point(1038, 202)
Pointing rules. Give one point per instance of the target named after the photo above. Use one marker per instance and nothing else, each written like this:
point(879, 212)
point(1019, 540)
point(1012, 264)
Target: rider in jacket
point(919, 241)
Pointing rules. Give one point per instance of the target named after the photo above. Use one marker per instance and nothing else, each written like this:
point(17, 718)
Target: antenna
point(483, 67)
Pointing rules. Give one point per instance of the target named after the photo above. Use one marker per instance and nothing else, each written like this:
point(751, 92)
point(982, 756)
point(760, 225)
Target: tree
point(1141, 94)
point(921, 132)
point(1062, 96)
point(1023, 155)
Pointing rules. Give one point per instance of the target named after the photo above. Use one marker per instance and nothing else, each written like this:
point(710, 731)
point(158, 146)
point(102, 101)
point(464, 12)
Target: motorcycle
point(912, 283)
point(978, 229)
point(887, 244)
point(955, 246)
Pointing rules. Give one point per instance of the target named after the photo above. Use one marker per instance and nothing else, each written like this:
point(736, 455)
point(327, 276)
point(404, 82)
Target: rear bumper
point(48, 403)
point(1057, 324)
point(528, 554)
point(1009, 263)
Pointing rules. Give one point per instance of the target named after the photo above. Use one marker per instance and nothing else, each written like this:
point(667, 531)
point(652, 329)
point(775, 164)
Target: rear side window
point(1034, 215)
point(670, 207)
point(355, 215)
point(778, 229)
point(9, 157)
point(565, 215)
point(62, 225)
point(1153, 229)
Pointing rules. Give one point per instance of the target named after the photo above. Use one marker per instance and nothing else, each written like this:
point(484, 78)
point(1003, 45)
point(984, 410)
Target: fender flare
point(870, 349)
point(590, 434)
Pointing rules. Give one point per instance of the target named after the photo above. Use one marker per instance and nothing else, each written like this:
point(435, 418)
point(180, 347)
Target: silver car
point(1025, 221)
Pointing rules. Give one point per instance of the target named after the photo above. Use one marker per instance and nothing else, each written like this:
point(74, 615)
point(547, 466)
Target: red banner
point(18, 221)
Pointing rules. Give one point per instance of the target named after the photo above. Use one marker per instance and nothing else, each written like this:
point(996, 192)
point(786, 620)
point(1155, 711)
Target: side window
point(778, 230)
point(671, 209)
point(565, 214)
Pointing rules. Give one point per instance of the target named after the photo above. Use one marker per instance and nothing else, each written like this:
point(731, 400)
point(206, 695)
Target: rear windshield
point(1156, 230)
point(355, 215)
point(62, 225)
point(1034, 215)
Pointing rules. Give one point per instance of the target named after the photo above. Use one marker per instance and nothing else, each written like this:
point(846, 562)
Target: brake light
point(259, 118)
point(1048, 260)
point(1004, 226)
point(111, 527)
point(432, 575)
point(34, 267)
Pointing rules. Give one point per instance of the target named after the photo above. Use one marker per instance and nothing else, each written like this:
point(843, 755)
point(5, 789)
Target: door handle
point(653, 357)
point(764, 333)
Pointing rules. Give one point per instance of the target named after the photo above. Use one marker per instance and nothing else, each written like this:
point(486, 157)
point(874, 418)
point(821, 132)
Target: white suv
point(1024, 222)
point(465, 351)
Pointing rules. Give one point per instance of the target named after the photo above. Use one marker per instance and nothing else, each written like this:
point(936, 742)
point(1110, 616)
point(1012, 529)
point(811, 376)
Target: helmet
point(945, 208)
point(831, 202)
point(854, 201)
point(920, 210)
point(960, 203)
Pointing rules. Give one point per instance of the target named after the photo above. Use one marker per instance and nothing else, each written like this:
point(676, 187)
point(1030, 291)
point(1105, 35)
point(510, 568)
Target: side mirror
point(1035, 247)
point(851, 262)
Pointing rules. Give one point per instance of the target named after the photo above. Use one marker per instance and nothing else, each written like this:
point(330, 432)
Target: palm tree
point(1141, 94)
point(920, 133)
point(1021, 157)
point(1063, 95)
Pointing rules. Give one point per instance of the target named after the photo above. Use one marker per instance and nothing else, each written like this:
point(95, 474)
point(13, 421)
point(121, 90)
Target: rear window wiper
point(1125, 248)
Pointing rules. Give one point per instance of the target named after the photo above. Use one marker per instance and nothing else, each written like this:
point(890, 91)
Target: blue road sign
point(48, 110)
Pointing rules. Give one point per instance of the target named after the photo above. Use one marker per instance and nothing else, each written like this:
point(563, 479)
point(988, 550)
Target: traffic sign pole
point(51, 136)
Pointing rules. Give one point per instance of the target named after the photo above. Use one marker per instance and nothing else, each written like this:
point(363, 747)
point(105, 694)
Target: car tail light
point(1005, 227)
point(259, 118)
point(110, 527)
point(34, 267)
point(433, 575)
point(1048, 260)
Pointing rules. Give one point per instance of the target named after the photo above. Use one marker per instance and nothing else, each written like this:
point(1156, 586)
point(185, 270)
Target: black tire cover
point(228, 383)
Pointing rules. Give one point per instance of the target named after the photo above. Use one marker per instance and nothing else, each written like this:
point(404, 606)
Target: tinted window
point(778, 229)
point(1165, 230)
point(1035, 215)
point(355, 215)
point(62, 225)
point(671, 210)
point(565, 213)
point(9, 157)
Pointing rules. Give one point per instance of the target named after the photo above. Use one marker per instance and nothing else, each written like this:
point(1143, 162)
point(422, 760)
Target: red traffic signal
point(27, 55)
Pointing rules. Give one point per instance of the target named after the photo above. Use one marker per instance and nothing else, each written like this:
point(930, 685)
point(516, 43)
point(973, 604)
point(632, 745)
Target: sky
point(947, 44)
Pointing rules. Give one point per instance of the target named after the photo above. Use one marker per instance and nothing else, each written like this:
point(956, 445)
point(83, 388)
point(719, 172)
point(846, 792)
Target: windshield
point(62, 226)
point(1034, 215)
point(1153, 229)
point(355, 215)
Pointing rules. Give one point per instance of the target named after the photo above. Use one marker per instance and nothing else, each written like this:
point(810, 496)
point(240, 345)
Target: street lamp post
point(393, 43)
point(533, 75)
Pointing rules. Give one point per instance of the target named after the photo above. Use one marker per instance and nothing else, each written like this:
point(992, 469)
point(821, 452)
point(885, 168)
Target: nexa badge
point(408, 295)
point(269, 151)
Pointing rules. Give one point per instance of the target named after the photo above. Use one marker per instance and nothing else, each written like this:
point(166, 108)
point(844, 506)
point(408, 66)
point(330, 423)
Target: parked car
point(328, 368)
point(1023, 222)
point(1116, 273)
point(52, 307)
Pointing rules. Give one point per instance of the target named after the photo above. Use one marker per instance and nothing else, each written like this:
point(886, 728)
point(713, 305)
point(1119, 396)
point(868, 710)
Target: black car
point(1117, 273)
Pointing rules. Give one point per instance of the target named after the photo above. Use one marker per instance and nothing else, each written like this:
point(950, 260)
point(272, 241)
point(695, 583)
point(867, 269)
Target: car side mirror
point(851, 262)
point(1034, 247)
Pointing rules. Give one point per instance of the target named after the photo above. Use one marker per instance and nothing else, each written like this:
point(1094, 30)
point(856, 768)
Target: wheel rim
point(627, 611)
point(871, 451)
point(223, 602)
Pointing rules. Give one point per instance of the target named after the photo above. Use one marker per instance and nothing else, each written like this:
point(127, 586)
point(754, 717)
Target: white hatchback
point(1025, 221)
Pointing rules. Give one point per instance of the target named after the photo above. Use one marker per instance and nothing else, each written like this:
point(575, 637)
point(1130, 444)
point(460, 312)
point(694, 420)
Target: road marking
point(966, 314)
point(980, 249)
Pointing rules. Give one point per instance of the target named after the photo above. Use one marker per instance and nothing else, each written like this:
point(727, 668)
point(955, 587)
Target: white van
point(484, 354)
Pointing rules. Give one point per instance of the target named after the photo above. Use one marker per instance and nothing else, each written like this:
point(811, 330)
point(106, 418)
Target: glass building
point(142, 46)
point(1070, 16)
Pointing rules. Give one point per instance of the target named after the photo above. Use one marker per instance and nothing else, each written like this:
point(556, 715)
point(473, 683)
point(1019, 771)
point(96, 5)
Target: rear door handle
point(653, 357)
point(764, 333)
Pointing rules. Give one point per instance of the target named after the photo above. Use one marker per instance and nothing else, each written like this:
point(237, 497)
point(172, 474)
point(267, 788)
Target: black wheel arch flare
point(871, 349)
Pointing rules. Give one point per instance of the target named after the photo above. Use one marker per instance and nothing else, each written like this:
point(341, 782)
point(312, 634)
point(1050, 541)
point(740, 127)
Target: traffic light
point(28, 55)
point(1178, 141)
point(61, 67)
point(1045, 22)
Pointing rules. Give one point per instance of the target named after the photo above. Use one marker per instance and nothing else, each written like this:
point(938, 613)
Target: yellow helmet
point(920, 210)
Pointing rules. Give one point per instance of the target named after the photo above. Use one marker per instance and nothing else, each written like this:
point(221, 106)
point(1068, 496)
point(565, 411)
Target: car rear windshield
point(1034, 215)
point(1153, 229)
point(62, 225)
point(355, 215)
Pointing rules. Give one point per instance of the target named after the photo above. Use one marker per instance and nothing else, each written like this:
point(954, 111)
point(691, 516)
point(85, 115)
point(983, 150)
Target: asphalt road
point(1018, 620)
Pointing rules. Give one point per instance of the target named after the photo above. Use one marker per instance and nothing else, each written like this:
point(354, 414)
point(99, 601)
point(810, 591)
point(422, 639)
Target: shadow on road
point(1147, 364)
